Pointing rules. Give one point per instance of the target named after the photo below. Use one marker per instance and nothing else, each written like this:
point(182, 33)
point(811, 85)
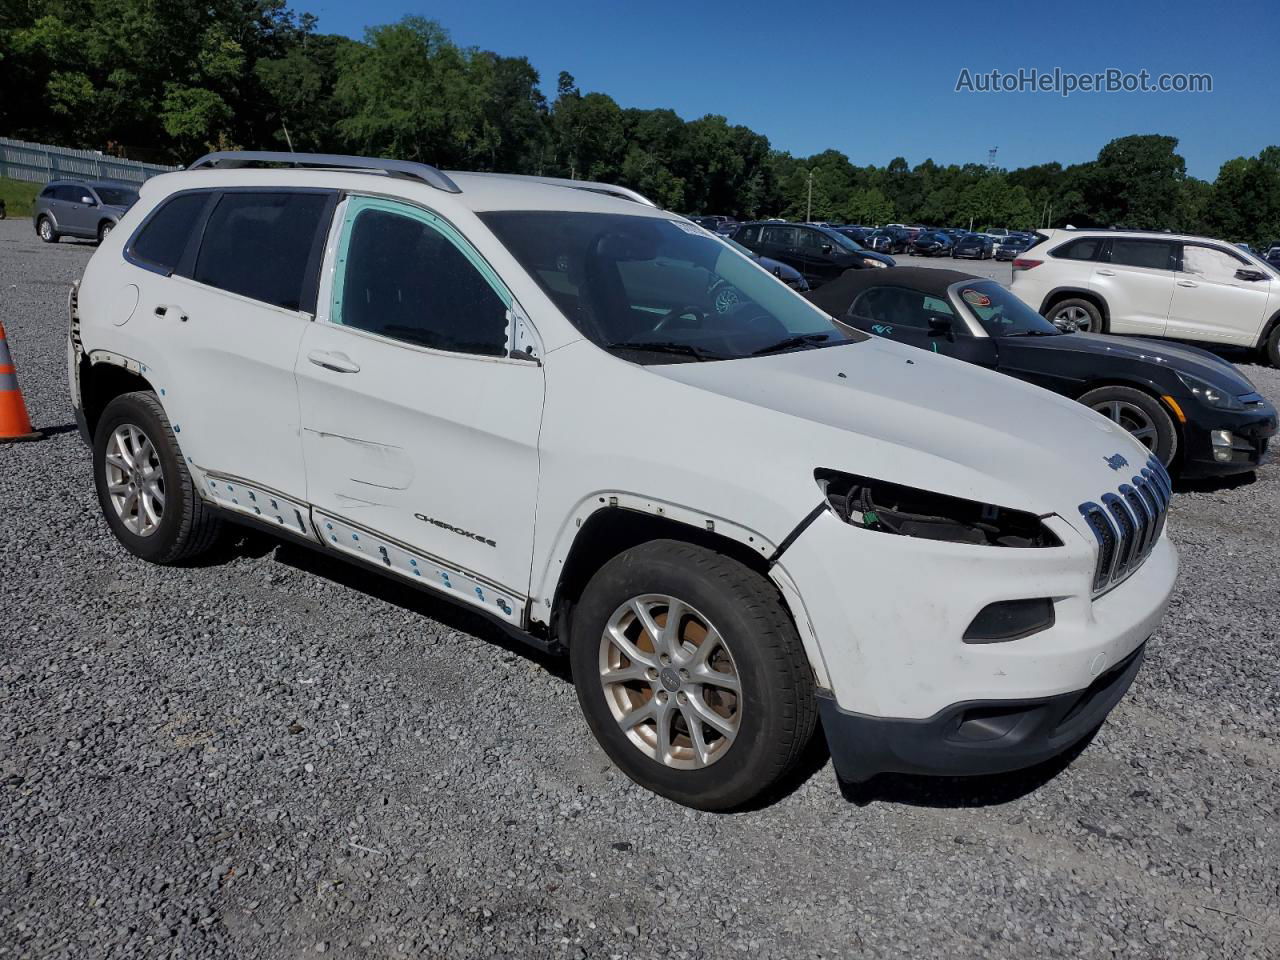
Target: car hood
point(1199, 363)
point(907, 416)
point(778, 268)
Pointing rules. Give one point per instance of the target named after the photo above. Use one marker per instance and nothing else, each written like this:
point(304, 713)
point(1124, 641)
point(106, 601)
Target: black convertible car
point(1191, 408)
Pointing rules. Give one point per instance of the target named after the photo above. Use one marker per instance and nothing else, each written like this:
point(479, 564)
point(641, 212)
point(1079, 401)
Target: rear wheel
point(1077, 314)
point(45, 229)
point(104, 228)
point(1140, 414)
point(144, 488)
point(691, 674)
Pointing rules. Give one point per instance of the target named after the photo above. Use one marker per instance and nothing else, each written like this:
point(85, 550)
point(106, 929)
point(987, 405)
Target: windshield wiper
point(666, 346)
point(791, 343)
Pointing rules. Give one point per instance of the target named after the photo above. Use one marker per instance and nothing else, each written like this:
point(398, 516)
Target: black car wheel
point(1076, 314)
point(1273, 346)
point(1140, 414)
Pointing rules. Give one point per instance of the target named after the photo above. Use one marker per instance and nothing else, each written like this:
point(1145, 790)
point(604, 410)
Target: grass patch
point(18, 196)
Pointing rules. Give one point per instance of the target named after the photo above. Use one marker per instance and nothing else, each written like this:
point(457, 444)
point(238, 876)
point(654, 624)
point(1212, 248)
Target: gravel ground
point(272, 755)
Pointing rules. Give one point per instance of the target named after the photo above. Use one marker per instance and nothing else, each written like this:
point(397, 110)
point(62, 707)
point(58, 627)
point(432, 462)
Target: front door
point(920, 320)
point(1210, 302)
point(420, 429)
point(779, 242)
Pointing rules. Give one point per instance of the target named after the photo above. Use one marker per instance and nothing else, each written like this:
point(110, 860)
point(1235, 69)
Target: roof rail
point(608, 189)
point(407, 169)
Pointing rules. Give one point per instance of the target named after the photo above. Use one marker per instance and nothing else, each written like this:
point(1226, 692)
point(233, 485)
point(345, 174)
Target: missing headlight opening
point(906, 511)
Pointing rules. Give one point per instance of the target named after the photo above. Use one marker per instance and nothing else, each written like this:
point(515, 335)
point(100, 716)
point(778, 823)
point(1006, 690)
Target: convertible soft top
point(836, 296)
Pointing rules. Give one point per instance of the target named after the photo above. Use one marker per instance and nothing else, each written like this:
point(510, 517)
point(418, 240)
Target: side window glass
point(896, 307)
point(262, 245)
point(1085, 248)
point(749, 235)
point(1153, 254)
point(405, 279)
point(812, 240)
point(162, 239)
point(780, 236)
point(1210, 263)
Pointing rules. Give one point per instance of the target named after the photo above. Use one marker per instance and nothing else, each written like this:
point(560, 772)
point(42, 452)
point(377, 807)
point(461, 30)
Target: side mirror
point(826, 248)
point(940, 325)
point(1251, 275)
point(88, 201)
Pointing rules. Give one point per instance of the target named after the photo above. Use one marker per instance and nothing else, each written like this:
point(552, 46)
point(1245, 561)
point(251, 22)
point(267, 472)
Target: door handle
point(163, 309)
point(337, 362)
point(1187, 283)
point(1106, 273)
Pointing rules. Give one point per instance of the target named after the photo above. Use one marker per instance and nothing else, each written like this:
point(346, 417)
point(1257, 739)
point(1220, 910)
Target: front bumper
point(976, 737)
point(1249, 432)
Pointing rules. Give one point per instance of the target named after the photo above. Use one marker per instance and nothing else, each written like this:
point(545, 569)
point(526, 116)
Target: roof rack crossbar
point(235, 159)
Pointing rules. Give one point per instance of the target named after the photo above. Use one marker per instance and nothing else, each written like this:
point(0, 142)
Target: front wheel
point(144, 488)
point(691, 674)
point(1140, 414)
point(1272, 346)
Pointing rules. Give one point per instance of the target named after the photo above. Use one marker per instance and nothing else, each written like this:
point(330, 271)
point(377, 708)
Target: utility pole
point(808, 212)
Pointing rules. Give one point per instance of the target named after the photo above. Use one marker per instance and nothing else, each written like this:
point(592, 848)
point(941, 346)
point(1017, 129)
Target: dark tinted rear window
point(260, 245)
point(163, 237)
point(1086, 248)
point(1156, 254)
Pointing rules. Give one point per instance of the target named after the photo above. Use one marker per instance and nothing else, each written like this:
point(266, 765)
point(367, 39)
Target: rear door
point(1136, 278)
point(1211, 302)
point(230, 311)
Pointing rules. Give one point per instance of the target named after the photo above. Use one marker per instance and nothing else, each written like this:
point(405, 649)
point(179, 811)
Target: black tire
point(45, 230)
point(1097, 324)
point(777, 706)
point(1272, 347)
point(187, 526)
point(1165, 441)
point(104, 228)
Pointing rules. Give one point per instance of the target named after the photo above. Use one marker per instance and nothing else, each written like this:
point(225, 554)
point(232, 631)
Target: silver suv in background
point(81, 208)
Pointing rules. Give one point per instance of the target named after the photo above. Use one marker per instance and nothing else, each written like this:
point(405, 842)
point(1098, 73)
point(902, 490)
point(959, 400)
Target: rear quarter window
point(1085, 248)
point(161, 240)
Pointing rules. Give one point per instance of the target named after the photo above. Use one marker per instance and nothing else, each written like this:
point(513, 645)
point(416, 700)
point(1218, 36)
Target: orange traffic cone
point(14, 422)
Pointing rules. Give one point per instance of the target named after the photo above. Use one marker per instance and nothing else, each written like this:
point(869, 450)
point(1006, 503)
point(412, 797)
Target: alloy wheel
point(1133, 418)
point(670, 682)
point(135, 479)
point(1073, 318)
point(46, 230)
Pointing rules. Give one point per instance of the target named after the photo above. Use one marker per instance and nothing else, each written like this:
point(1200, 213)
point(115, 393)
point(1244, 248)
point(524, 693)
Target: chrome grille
point(1128, 523)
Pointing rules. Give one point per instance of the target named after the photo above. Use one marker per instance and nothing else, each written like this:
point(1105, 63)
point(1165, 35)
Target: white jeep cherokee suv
point(1153, 285)
point(620, 438)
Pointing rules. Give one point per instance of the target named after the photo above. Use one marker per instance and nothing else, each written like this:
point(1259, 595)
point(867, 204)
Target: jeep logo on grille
point(1116, 462)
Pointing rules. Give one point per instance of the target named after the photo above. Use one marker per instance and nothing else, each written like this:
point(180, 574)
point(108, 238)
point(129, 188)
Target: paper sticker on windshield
point(691, 228)
point(975, 297)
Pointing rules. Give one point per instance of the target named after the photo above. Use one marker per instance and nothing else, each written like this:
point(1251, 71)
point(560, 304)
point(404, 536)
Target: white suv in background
point(1154, 285)
point(618, 437)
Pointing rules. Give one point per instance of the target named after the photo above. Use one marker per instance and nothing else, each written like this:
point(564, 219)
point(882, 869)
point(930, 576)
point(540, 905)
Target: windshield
point(848, 243)
point(1001, 313)
point(117, 196)
point(653, 290)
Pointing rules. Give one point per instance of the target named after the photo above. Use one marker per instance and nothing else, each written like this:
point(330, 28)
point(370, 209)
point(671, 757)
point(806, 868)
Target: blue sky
point(877, 79)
